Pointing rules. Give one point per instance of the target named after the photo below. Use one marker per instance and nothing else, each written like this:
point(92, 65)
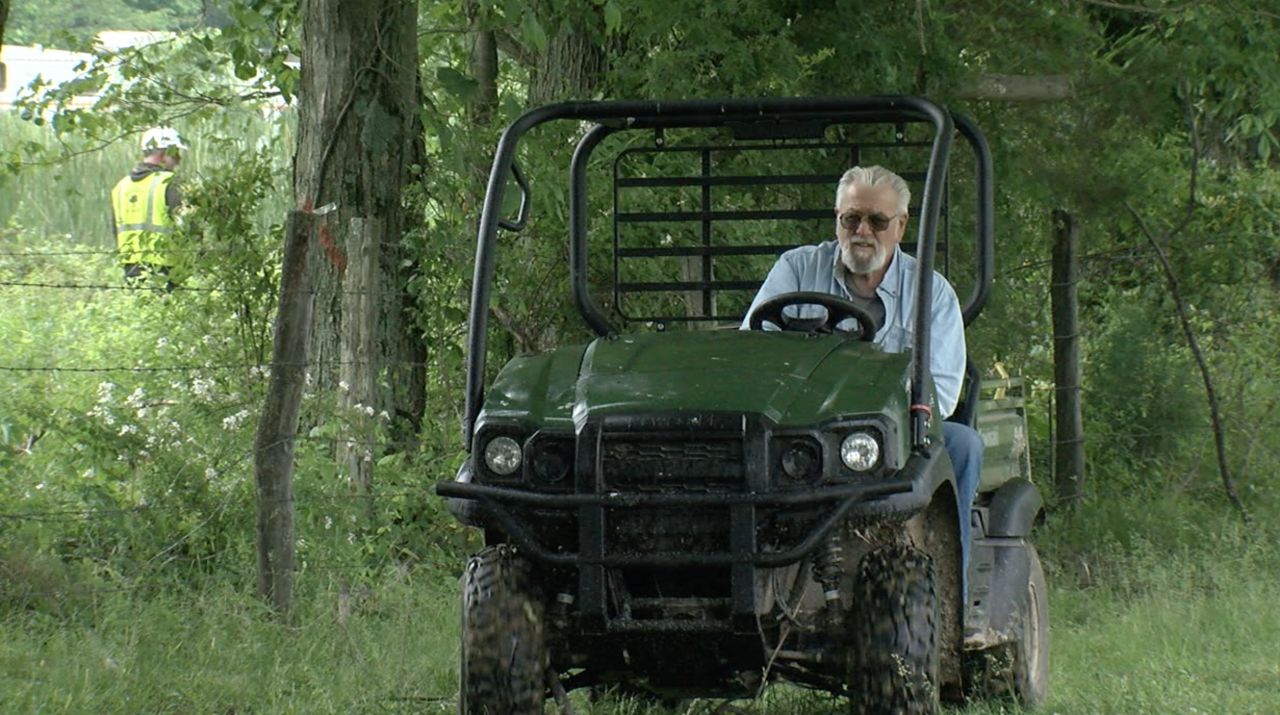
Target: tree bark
point(484, 69)
point(574, 64)
point(360, 365)
point(358, 129)
point(1068, 445)
point(481, 108)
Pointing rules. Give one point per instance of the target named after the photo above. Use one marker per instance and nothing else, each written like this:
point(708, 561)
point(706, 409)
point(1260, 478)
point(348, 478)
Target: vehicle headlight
point(551, 460)
point(860, 451)
point(502, 455)
point(801, 460)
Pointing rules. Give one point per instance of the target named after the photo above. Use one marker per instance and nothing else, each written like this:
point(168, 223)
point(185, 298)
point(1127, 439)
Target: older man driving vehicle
point(865, 265)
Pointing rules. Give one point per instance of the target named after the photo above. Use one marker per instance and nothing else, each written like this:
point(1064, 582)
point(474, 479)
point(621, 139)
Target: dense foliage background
point(127, 416)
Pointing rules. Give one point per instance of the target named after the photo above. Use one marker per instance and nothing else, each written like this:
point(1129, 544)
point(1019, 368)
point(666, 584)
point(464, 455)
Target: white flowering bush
point(124, 463)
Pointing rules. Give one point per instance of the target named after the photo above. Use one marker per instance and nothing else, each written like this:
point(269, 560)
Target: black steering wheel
point(838, 310)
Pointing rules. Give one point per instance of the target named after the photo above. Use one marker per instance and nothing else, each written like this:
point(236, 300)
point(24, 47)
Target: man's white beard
point(875, 262)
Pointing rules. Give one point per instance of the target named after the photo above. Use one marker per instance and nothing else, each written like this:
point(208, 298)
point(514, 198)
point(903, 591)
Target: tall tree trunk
point(484, 68)
point(573, 66)
point(480, 110)
point(407, 378)
point(358, 129)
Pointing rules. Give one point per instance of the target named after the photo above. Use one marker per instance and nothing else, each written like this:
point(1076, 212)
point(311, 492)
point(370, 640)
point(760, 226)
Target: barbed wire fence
point(76, 514)
point(384, 505)
point(137, 578)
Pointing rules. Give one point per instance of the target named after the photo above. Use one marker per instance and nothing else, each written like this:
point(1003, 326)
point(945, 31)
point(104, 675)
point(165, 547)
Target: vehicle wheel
point(503, 664)
point(1019, 669)
point(894, 626)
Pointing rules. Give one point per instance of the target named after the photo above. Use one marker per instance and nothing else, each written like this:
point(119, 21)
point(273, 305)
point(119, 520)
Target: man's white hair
point(875, 176)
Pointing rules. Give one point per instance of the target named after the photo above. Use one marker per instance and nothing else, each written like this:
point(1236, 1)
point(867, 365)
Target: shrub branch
point(1214, 410)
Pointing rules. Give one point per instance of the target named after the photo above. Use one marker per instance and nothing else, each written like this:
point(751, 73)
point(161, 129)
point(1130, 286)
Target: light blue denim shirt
point(818, 268)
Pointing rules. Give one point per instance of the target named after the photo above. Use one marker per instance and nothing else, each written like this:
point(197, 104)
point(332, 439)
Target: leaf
point(612, 17)
point(456, 83)
point(390, 459)
point(533, 32)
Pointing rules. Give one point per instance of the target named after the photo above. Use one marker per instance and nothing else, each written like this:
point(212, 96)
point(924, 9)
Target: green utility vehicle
point(681, 509)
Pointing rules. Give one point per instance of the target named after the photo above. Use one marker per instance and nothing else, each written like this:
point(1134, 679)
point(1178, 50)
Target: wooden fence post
point(273, 448)
point(1068, 446)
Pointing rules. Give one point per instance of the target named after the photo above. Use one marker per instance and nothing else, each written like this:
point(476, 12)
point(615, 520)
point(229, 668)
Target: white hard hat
point(161, 138)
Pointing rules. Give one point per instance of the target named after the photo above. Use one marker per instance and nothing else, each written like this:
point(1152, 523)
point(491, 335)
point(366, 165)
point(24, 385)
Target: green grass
point(1173, 652)
point(1163, 605)
point(215, 650)
point(1190, 628)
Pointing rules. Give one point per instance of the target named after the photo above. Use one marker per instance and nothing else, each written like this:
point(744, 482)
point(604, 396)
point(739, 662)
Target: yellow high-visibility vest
point(143, 223)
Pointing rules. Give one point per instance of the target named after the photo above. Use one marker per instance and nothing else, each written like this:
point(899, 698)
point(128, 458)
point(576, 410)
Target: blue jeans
point(964, 446)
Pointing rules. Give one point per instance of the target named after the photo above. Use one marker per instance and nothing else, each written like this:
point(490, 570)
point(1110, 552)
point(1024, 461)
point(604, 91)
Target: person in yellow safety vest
point(143, 205)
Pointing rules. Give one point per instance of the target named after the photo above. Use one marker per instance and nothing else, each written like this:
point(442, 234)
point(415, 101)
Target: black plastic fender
point(1014, 509)
point(1000, 563)
point(1006, 602)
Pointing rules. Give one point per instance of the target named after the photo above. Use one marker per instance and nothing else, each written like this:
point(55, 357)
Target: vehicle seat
point(966, 412)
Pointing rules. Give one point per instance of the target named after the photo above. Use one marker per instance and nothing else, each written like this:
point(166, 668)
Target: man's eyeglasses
point(879, 222)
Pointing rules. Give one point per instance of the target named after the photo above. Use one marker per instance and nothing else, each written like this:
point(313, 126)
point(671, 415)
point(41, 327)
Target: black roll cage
point(611, 117)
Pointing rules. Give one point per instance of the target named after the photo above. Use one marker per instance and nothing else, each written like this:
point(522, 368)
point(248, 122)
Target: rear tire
point(1019, 670)
point(503, 664)
point(894, 624)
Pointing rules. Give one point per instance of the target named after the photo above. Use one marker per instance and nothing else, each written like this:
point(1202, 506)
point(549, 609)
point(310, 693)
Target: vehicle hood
point(789, 378)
